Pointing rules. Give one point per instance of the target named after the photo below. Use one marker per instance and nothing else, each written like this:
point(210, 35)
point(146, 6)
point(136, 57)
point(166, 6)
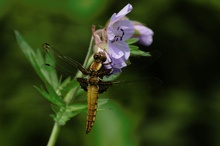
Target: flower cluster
point(112, 38)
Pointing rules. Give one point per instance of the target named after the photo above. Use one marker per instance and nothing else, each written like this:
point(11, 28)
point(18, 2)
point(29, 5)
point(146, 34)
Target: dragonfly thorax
point(95, 66)
point(93, 80)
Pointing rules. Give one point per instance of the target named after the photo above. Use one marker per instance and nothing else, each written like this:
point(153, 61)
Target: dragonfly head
point(100, 56)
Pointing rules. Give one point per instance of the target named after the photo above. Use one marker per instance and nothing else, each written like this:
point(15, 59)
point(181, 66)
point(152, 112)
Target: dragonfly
point(93, 84)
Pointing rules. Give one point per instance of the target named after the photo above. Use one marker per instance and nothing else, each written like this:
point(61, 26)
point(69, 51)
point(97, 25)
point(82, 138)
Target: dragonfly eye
point(100, 56)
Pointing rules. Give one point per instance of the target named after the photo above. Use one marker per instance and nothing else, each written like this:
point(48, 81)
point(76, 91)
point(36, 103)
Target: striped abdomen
point(92, 106)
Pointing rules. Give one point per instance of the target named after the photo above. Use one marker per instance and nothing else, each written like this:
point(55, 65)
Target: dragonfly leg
point(83, 70)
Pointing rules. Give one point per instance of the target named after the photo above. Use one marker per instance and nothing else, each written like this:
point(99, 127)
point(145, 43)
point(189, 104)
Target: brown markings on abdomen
point(92, 106)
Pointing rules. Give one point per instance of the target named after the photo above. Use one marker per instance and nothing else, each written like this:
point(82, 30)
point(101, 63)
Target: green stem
point(85, 64)
point(67, 99)
point(54, 135)
point(86, 61)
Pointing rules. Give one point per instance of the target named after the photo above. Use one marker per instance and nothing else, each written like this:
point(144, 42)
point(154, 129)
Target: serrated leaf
point(53, 99)
point(29, 53)
point(36, 59)
point(24, 46)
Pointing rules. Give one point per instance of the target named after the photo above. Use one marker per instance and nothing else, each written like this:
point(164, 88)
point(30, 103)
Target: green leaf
point(77, 107)
point(61, 117)
point(50, 75)
point(81, 106)
point(29, 53)
point(136, 52)
point(53, 93)
point(55, 108)
point(37, 61)
point(63, 114)
point(53, 98)
point(135, 49)
point(67, 85)
point(102, 102)
point(132, 41)
point(49, 71)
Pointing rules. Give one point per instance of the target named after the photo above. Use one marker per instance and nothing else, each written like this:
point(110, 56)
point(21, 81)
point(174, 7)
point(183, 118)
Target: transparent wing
point(64, 64)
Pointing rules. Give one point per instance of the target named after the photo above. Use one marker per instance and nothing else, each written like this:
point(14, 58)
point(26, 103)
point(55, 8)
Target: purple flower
point(144, 34)
point(118, 31)
point(111, 39)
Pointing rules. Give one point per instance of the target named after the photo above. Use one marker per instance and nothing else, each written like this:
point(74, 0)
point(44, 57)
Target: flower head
point(118, 31)
point(112, 39)
point(144, 34)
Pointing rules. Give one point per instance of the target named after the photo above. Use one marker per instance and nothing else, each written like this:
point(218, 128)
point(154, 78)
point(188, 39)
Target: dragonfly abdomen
point(92, 106)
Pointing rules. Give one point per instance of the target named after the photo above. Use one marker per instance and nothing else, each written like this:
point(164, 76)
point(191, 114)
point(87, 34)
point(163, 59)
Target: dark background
point(184, 110)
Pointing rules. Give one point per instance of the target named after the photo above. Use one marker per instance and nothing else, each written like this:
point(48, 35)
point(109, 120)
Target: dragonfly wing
point(103, 86)
point(65, 59)
point(83, 83)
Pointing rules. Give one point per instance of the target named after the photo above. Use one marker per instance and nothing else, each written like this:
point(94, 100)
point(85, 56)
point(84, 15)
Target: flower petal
point(114, 51)
point(125, 26)
point(115, 17)
point(118, 49)
point(146, 34)
point(116, 71)
point(118, 63)
point(122, 30)
point(111, 32)
point(125, 49)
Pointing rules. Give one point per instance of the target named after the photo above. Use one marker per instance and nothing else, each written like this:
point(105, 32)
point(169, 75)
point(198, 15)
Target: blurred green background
point(184, 110)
